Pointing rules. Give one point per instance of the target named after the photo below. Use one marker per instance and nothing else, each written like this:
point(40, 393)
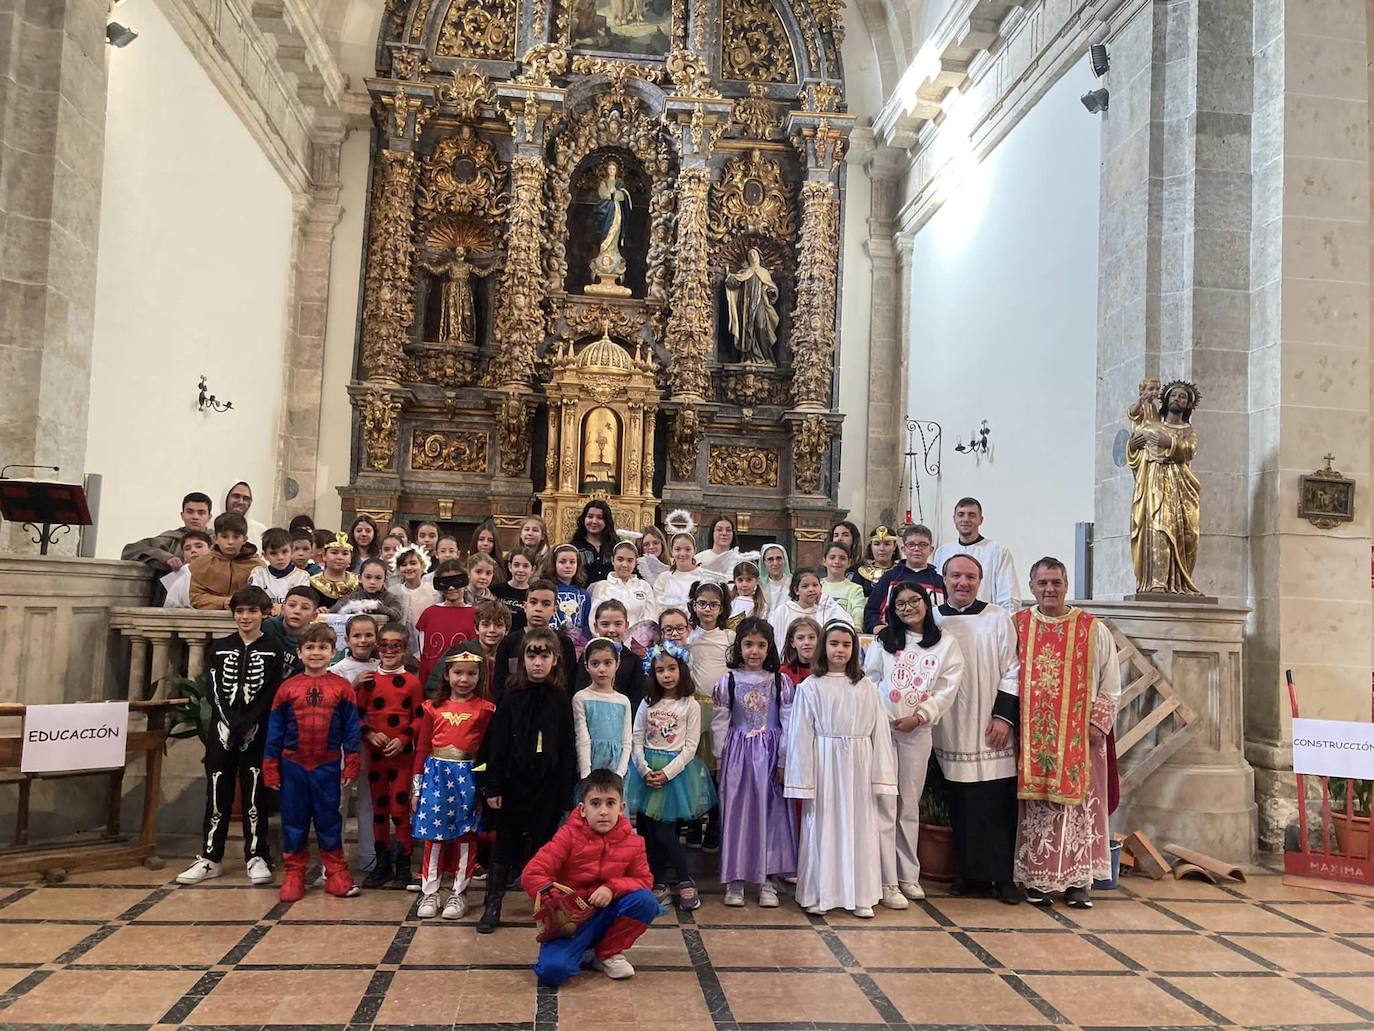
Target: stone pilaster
point(1309, 377)
point(52, 149)
point(886, 169)
point(316, 216)
point(1173, 297)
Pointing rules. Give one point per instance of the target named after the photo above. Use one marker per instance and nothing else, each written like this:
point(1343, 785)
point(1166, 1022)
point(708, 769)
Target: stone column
point(1309, 378)
point(316, 216)
point(886, 169)
point(52, 150)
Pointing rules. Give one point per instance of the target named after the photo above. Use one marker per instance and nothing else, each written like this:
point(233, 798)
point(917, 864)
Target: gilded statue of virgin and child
point(1165, 513)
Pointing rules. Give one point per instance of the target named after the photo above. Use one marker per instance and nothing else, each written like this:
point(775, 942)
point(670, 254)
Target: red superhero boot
point(293, 875)
point(337, 880)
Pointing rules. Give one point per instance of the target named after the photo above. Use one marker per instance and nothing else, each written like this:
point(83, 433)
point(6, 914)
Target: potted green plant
point(935, 845)
point(192, 717)
point(1352, 832)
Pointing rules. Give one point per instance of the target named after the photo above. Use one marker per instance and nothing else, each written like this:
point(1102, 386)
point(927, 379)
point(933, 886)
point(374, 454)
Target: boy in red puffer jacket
point(599, 856)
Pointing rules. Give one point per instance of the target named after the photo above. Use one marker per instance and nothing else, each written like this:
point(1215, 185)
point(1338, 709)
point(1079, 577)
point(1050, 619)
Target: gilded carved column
point(819, 132)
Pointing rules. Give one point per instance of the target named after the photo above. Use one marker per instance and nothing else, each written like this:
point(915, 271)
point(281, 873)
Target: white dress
point(839, 760)
point(673, 588)
point(790, 611)
point(725, 562)
point(635, 594)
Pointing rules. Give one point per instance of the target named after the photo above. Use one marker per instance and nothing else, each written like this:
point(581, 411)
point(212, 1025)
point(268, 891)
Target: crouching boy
point(601, 859)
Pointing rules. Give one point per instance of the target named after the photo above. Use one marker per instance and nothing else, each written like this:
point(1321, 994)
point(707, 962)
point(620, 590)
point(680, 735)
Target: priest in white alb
point(1070, 684)
point(999, 574)
point(975, 742)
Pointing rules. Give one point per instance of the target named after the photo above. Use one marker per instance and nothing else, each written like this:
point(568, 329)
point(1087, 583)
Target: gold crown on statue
point(1193, 392)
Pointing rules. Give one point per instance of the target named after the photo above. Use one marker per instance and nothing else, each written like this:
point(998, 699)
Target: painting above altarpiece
point(639, 27)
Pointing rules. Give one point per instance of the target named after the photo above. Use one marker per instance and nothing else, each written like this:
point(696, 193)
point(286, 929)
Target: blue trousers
point(310, 796)
point(610, 931)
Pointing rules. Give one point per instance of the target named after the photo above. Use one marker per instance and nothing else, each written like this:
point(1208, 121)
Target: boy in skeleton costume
point(241, 679)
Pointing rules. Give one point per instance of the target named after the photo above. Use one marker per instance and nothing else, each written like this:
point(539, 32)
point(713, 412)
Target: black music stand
point(32, 504)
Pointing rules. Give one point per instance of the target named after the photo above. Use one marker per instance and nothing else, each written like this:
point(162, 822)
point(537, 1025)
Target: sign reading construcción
point(83, 736)
point(1333, 748)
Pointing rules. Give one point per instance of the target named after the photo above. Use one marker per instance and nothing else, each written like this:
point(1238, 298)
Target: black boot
point(400, 876)
point(496, 891)
point(380, 874)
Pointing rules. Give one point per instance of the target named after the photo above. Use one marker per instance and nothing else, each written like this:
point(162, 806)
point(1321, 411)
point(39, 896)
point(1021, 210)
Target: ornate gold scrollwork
point(408, 63)
point(752, 197)
point(466, 92)
point(809, 443)
point(584, 320)
point(542, 63)
point(481, 29)
point(389, 299)
point(444, 366)
point(813, 316)
point(821, 97)
point(380, 413)
point(753, 45)
point(758, 116)
point(691, 77)
point(752, 386)
point(449, 451)
point(585, 64)
point(691, 329)
point(738, 465)
point(462, 176)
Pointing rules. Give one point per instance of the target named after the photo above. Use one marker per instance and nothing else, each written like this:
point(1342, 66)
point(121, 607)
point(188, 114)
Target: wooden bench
point(111, 848)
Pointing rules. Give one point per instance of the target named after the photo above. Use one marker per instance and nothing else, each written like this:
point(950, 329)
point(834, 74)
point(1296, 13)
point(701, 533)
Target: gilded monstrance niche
point(602, 261)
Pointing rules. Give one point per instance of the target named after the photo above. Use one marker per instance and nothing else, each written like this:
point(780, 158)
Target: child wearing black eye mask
point(452, 621)
point(530, 759)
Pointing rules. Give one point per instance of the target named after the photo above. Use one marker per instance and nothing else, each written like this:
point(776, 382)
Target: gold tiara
point(882, 533)
point(464, 657)
point(341, 542)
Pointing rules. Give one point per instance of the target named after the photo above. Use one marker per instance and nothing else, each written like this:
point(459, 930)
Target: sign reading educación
point(1333, 748)
point(79, 736)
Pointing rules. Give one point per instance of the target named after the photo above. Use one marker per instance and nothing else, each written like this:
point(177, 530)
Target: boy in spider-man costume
point(314, 722)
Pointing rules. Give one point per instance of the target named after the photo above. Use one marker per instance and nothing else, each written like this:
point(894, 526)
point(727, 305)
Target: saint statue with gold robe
point(1165, 512)
point(751, 297)
point(457, 309)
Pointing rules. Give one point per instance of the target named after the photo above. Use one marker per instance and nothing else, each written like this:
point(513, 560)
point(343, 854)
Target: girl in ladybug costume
point(389, 707)
point(444, 797)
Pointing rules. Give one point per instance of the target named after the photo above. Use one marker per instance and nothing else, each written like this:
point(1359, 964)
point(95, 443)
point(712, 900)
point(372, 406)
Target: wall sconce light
point(118, 35)
point(1095, 101)
point(207, 402)
point(978, 445)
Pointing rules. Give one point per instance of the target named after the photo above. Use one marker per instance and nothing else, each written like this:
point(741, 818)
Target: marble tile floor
point(130, 950)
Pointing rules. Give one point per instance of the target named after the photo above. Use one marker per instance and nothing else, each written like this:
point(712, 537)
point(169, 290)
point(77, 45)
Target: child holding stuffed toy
point(591, 880)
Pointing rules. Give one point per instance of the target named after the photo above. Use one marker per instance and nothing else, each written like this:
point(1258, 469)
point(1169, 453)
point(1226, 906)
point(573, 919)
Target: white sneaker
point(734, 893)
point(817, 910)
point(864, 912)
point(893, 898)
point(912, 890)
point(428, 908)
point(258, 871)
point(201, 870)
point(319, 880)
point(768, 896)
point(616, 967)
point(455, 907)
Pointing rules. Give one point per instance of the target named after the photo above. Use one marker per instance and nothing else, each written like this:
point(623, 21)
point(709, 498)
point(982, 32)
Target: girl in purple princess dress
point(748, 728)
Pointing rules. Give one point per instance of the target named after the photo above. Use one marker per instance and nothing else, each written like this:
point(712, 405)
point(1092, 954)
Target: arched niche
point(581, 218)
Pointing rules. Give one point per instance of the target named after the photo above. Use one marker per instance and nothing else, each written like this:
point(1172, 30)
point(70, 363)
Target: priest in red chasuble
point(1070, 683)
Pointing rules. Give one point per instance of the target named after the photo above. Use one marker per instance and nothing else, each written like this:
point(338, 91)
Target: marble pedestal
point(1204, 795)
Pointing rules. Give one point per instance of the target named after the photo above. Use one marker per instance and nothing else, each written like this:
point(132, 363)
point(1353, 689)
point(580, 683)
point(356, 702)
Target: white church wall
point(336, 414)
point(863, 90)
point(195, 241)
point(1004, 327)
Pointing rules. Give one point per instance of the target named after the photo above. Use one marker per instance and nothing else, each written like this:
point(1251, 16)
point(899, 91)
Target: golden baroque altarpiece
point(602, 260)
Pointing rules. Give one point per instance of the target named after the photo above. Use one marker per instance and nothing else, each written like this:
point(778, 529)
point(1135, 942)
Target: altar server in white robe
point(918, 672)
point(975, 743)
point(806, 598)
point(999, 573)
point(839, 761)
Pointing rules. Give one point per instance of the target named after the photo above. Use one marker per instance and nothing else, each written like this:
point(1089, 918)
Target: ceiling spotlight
point(1095, 101)
point(118, 35)
point(1097, 55)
